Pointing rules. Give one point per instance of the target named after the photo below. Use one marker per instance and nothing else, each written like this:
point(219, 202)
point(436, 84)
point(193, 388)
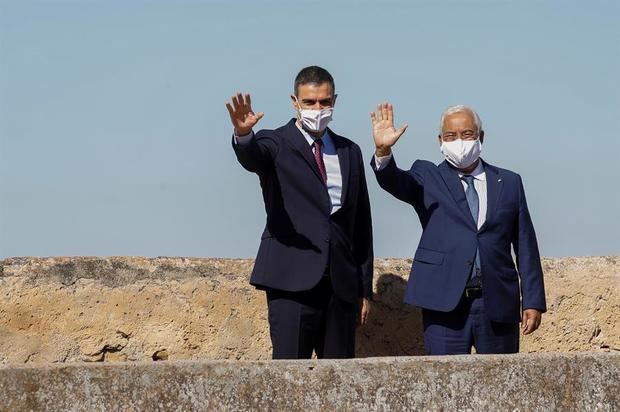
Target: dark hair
point(315, 75)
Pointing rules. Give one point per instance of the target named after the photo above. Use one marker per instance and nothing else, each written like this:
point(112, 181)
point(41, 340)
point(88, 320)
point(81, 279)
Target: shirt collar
point(310, 139)
point(478, 173)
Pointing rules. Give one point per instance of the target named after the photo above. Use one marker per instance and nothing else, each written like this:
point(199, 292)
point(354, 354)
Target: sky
point(114, 137)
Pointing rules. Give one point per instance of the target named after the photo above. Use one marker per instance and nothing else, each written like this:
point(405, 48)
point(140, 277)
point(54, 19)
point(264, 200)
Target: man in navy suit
point(315, 259)
point(463, 275)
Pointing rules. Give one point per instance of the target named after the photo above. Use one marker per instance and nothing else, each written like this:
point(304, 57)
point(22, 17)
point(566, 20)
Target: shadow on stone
point(394, 328)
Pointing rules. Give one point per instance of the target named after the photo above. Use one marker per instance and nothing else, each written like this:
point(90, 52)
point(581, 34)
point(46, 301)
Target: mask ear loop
point(298, 110)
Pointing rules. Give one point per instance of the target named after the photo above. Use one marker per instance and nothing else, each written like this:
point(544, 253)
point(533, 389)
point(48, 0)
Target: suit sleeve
point(528, 258)
point(403, 185)
point(363, 251)
point(256, 154)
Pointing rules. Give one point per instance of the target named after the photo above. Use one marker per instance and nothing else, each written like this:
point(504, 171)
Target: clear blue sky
point(114, 138)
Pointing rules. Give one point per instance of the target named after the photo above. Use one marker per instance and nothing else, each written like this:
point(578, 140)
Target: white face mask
point(315, 120)
point(461, 153)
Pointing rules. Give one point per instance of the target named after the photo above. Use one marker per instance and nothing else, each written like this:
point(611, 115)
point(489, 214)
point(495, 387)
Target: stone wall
point(524, 382)
point(137, 309)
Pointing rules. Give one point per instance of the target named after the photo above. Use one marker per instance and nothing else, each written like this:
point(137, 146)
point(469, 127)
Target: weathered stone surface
point(116, 309)
point(524, 382)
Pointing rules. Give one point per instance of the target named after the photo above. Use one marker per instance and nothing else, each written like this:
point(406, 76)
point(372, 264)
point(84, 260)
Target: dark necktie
point(318, 157)
point(474, 207)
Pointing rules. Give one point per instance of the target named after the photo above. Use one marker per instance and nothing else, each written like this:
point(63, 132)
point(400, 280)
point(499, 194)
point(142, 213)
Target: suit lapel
point(345, 163)
point(300, 144)
point(451, 178)
point(494, 190)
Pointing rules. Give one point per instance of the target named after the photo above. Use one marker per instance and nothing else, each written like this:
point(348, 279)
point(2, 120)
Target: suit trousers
point(314, 320)
point(467, 326)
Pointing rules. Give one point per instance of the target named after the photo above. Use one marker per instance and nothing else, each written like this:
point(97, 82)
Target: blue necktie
point(474, 207)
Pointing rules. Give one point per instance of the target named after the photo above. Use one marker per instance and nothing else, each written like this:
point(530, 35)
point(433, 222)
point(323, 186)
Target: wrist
point(383, 151)
point(242, 132)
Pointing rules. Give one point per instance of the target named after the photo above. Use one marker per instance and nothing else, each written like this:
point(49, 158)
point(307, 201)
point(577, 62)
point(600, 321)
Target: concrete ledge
point(524, 382)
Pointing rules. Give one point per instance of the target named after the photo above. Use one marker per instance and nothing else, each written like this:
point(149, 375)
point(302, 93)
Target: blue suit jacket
point(302, 239)
point(447, 248)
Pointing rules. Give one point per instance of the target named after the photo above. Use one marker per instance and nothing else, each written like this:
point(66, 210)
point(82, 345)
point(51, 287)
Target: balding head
point(460, 122)
point(460, 108)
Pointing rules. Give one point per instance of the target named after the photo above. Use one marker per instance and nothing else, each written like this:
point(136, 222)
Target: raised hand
point(241, 114)
point(383, 130)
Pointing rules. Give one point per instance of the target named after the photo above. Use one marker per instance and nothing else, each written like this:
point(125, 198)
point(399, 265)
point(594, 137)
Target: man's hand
point(530, 320)
point(241, 114)
point(364, 311)
point(383, 130)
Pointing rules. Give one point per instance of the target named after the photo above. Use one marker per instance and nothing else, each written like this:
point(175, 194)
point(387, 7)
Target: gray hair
point(460, 108)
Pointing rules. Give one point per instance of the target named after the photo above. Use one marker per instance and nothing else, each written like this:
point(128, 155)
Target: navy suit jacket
point(442, 263)
point(302, 240)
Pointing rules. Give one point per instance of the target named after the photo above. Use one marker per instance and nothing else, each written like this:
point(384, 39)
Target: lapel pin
point(499, 180)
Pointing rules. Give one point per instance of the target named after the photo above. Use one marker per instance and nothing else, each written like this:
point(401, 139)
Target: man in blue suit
point(463, 275)
point(315, 259)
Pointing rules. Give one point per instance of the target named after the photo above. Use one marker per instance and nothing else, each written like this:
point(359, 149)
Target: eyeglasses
point(465, 135)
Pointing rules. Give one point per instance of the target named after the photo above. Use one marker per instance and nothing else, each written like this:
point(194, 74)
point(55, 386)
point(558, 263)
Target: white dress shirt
point(480, 184)
point(330, 158)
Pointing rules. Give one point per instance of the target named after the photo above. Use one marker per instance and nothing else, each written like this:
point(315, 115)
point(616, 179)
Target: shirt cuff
point(243, 140)
point(382, 161)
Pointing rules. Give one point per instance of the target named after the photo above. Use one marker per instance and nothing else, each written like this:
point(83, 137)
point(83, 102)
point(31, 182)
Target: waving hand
point(241, 114)
point(383, 130)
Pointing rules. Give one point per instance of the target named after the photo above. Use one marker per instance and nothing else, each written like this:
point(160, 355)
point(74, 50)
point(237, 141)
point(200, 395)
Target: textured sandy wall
point(113, 309)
